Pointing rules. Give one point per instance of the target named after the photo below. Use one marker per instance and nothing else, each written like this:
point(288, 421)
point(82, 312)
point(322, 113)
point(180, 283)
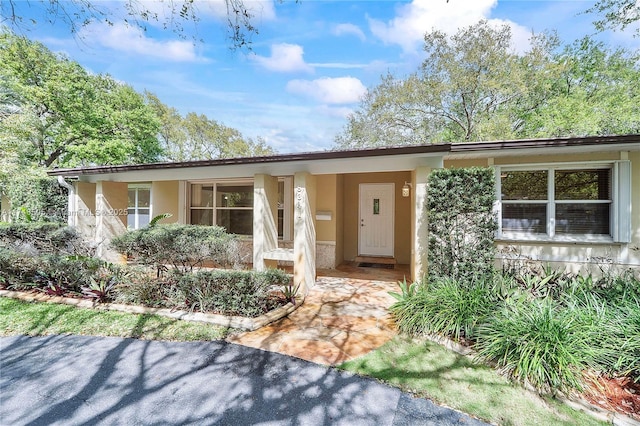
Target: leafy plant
point(445, 307)
point(408, 290)
point(53, 289)
point(158, 218)
point(290, 291)
point(100, 289)
point(537, 342)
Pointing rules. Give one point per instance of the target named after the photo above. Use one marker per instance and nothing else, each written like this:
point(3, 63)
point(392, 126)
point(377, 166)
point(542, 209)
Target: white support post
point(304, 232)
point(265, 212)
point(420, 225)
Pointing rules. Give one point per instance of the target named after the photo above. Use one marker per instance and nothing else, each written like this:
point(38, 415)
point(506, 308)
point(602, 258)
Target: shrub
point(55, 273)
point(181, 247)
point(444, 306)
point(243, 293)
point(43, 238)
point(613, 331)
point(37, 195)
point(537, 342)
point(141, 288)
point(461, 224)
point(17, 270)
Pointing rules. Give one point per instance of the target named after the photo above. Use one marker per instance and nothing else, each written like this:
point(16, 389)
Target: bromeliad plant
point(100, 289)
point(290, 291)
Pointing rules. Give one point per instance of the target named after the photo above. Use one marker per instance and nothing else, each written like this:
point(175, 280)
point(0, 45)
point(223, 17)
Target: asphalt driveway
point(72, 380)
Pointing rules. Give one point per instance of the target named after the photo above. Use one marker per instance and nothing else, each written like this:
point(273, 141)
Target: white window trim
point(287, 208)
point(136, 217)
point(620, 196)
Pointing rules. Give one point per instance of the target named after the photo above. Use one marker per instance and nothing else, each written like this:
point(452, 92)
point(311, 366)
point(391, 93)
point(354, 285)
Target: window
point(139, 206)
point(230, 205)
point(564, 201)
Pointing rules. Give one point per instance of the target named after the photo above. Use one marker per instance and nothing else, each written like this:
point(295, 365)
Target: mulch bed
point(618, 394)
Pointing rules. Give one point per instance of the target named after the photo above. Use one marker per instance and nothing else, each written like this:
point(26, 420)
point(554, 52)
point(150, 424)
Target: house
point(567, 201)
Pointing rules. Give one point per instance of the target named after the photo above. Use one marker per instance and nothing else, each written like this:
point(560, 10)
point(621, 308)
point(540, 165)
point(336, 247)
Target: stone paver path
point(341, 318)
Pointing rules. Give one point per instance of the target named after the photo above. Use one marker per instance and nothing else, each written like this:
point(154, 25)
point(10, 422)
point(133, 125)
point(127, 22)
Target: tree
point(596, 92)
point(58, 114)
point(461, 93)
point(173, 15)
point(197, 137)
point(616, 14)
point(473, 87)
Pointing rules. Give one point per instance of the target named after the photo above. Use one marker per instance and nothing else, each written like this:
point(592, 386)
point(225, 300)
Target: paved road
point(72, 380)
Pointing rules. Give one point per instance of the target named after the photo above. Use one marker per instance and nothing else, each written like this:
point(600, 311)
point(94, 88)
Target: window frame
point(136, 208)
point(550, 203)
point(286, 207)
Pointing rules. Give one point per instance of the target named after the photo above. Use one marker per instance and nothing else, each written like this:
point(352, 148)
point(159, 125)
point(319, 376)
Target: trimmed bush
point(141, 288)
point(461, 224)
point(181, 247)
point(54, 273)
point(35, 196)
point(43, 238)
point(244, 293)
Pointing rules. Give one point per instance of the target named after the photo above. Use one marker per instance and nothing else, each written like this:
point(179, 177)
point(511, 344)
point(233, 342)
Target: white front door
point(376, 219)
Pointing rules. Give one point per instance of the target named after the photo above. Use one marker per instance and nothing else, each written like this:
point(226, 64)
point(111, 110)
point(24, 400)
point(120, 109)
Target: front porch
point(344, 316)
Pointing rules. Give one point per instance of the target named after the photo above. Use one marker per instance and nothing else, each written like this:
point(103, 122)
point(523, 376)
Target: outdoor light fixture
point(406, 189)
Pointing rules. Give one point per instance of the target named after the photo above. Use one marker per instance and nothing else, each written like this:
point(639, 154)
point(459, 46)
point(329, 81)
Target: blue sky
point(310, 62)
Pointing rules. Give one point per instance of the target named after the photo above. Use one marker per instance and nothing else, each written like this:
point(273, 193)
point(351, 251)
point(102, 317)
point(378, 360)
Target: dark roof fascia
point(280, 158)
point(443, 148)
point(463, 147)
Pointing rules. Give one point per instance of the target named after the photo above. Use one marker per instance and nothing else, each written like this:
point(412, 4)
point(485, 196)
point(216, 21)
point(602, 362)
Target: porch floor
point(343, 317)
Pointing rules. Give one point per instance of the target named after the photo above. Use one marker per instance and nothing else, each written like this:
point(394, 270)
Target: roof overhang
point(327, 162)
point(352, 161)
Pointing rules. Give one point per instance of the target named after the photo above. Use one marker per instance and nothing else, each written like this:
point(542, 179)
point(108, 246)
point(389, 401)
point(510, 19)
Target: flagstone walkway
point(344, 316)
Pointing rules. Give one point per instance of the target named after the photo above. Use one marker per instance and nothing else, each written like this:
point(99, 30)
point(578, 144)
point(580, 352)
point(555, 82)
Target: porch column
point(419, 224)
point(111, 217)
point(83, 213)
point(265, 212)
point(304, 231)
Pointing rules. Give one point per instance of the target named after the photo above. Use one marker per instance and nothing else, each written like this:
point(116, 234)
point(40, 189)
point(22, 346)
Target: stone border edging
point(231, 321)
point(578, 404)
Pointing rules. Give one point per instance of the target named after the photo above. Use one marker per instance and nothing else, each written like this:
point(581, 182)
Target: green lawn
point(430, 370)
point(41, 319)
point(415, 365)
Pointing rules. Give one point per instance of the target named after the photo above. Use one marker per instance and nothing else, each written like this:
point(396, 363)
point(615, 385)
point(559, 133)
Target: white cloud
point(348, 29)
point(413, 20)
point(341, 90)
point(284, 58)
point(129, 39)
point(336, 112)
point(338, 65)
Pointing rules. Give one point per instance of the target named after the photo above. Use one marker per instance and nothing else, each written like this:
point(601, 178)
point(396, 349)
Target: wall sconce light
point(406, 189)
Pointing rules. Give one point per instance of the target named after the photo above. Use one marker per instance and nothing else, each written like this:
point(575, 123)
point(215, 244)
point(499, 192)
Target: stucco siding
point(326, 201)
point(164, 199)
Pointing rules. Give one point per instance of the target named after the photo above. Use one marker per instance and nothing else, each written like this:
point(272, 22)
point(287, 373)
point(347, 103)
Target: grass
point(429, 370)
point(42, 319)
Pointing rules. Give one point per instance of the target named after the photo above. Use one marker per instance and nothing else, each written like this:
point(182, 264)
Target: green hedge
point(35, 197)
point(43, 237)
point(181, 247)
point(462, 224)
